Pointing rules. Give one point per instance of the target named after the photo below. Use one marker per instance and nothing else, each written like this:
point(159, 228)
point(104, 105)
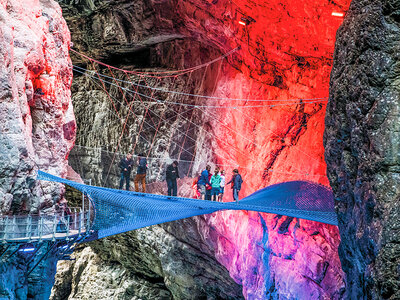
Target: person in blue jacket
point(171, 175)
point(236, 184)
point(203, 180)
point(125, 165)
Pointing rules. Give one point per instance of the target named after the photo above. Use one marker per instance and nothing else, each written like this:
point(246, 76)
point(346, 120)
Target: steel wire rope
point(195, 124)
point(158, 101)
point(128, 91)
point(148, 123)
point(258, 122)
point(138, 102)
point(227, 126)
point(204, 131)
point(162, 72)
point(122, 133)
point(277, 134)
point(181, 132)
point(186, 134)
point(204, 96)
point(188, 161)
point(158, 126)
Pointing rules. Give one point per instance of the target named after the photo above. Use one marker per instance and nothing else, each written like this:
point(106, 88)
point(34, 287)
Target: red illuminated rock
point(37, 128)
point(285, 54)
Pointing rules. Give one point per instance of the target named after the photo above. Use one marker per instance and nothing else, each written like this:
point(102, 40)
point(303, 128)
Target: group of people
point(212, 186)
point(207, 186)
point(126, 165)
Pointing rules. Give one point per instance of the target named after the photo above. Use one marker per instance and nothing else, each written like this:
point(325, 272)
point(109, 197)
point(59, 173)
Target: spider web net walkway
point(118, 211)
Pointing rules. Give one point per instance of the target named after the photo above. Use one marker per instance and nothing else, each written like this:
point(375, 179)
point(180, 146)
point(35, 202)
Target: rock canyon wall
point(284, 52)
point(273, 143)
point(37, 128)
point(362, 148)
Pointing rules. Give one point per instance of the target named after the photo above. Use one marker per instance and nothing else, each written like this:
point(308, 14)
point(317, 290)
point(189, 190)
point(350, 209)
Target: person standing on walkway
point(195, 188)
point(222, 186)
point(171, 176)
point(215, 185)
point(141, 173)
point(236, 184)
point(203, 181)
point(125, 165)
point(208, 188)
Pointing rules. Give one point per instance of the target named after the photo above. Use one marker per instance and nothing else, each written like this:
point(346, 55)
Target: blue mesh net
point(117, 211)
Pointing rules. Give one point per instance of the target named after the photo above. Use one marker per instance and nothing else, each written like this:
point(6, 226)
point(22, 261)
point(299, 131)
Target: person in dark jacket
point(171, 176)
point(203, 181)
point(236, 184)
point(141, 173)
point(125, 165)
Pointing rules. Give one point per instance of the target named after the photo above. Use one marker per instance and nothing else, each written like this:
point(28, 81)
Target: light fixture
point(337, 14)
point(246, 20)
point(30, 249)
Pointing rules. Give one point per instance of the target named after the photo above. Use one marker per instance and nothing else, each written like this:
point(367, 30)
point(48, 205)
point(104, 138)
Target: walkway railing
point(44, 227)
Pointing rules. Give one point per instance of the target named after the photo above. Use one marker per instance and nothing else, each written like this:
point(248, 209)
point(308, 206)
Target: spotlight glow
point(26, 250)
point(337, 14)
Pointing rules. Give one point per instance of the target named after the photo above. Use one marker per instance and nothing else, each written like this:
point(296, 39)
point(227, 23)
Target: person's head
point(235, 171)
point(129, 156)
point(222, 172)
point(216, 171)
point(140, 155)
point(208, 167)
point(175, 163)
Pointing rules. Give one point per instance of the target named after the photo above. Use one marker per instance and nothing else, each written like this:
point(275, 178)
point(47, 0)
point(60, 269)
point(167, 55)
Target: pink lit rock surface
point(280, 58)
point(37, 128)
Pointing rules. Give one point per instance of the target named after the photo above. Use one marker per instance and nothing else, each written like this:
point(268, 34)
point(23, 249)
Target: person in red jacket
point(196, 192)
point(208, 188)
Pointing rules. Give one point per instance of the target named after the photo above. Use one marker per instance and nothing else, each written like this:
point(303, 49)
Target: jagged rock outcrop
point(362, 148)
point(37, 128)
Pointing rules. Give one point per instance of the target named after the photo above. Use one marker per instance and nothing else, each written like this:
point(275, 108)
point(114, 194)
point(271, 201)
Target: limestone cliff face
point(362, 148)
point(37, 128)
point(270, 256)
point(38, 124)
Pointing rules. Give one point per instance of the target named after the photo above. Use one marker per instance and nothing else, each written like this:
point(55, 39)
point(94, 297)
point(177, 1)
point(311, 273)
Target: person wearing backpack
point(236, 184)
point(215, 185)
point(141, 173)
point(171, 175)
point(203, 182)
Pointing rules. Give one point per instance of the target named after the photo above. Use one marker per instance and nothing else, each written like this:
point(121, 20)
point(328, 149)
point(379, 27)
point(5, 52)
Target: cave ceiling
point(277, 35)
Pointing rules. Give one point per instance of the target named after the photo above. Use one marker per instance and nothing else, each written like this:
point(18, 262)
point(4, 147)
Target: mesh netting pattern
point(118, 211)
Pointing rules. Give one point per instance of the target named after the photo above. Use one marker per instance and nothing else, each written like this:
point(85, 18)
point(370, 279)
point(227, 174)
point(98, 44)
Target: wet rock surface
point(362, 148)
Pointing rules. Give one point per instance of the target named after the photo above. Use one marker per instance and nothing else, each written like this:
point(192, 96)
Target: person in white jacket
point(221, 193)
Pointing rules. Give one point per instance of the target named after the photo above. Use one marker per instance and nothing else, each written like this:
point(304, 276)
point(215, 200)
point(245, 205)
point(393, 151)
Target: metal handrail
point(44, 227)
